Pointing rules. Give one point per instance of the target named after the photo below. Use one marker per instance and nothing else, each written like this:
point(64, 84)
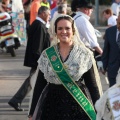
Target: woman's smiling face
point(64, 30)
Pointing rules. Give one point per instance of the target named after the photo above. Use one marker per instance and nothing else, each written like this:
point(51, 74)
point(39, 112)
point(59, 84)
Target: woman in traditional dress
point(65, 66)
point(108, 106)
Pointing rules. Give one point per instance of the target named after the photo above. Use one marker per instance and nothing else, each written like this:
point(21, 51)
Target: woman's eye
point(59, 28)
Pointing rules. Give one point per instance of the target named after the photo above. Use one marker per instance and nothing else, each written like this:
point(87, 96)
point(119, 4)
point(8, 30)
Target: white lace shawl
point(76, 39)
point(101, 104)
point(78, 62)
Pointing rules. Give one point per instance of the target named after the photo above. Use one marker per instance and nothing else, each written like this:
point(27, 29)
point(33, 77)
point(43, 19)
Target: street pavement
point(13, 74)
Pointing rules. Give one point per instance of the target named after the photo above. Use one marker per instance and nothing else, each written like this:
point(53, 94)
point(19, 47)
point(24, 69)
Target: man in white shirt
point(86, 30)
point(116, 7)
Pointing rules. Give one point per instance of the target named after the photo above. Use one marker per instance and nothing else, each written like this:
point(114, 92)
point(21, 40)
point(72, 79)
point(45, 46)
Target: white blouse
point(86, 30)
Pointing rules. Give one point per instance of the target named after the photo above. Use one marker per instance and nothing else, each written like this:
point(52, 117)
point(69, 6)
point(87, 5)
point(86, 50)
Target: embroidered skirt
point(56, 103)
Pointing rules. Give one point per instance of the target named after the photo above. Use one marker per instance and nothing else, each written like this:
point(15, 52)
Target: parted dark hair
point(65, 18)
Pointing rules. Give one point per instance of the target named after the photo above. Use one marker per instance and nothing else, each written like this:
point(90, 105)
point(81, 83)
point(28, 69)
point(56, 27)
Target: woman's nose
point(63, 31)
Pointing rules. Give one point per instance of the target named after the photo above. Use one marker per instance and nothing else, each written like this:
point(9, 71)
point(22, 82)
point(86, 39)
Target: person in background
point(26, 6)
point(5, 6)
point(74, 8)
point(59, 2)
point(111, 19)
point(43, 42)
point(49, 1)
point(45, 3)
point(85, 28)
point(107, 106)
point(38, 40)
point(35, 5)
point(61, 10)
point(111, 53)
point(64, 66)
point(64, 5)
point(53, 4)
point(115, 7)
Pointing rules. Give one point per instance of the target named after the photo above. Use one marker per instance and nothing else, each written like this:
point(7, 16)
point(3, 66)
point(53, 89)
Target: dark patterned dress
point(55, 102)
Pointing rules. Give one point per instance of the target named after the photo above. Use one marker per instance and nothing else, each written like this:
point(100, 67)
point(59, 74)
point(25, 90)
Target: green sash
point(69, 84)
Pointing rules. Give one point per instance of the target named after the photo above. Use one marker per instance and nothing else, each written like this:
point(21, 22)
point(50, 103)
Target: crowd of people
point(61, 49)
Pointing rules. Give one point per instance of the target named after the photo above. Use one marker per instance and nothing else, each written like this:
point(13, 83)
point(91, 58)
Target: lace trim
point(78, 62)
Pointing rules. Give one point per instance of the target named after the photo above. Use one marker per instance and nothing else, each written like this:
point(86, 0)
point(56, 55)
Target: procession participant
point(35, 5)
point(105, 107)
point(38, 40)
point(65, 65)
point(111, 53)
point(84, 9)
point(45, 3)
